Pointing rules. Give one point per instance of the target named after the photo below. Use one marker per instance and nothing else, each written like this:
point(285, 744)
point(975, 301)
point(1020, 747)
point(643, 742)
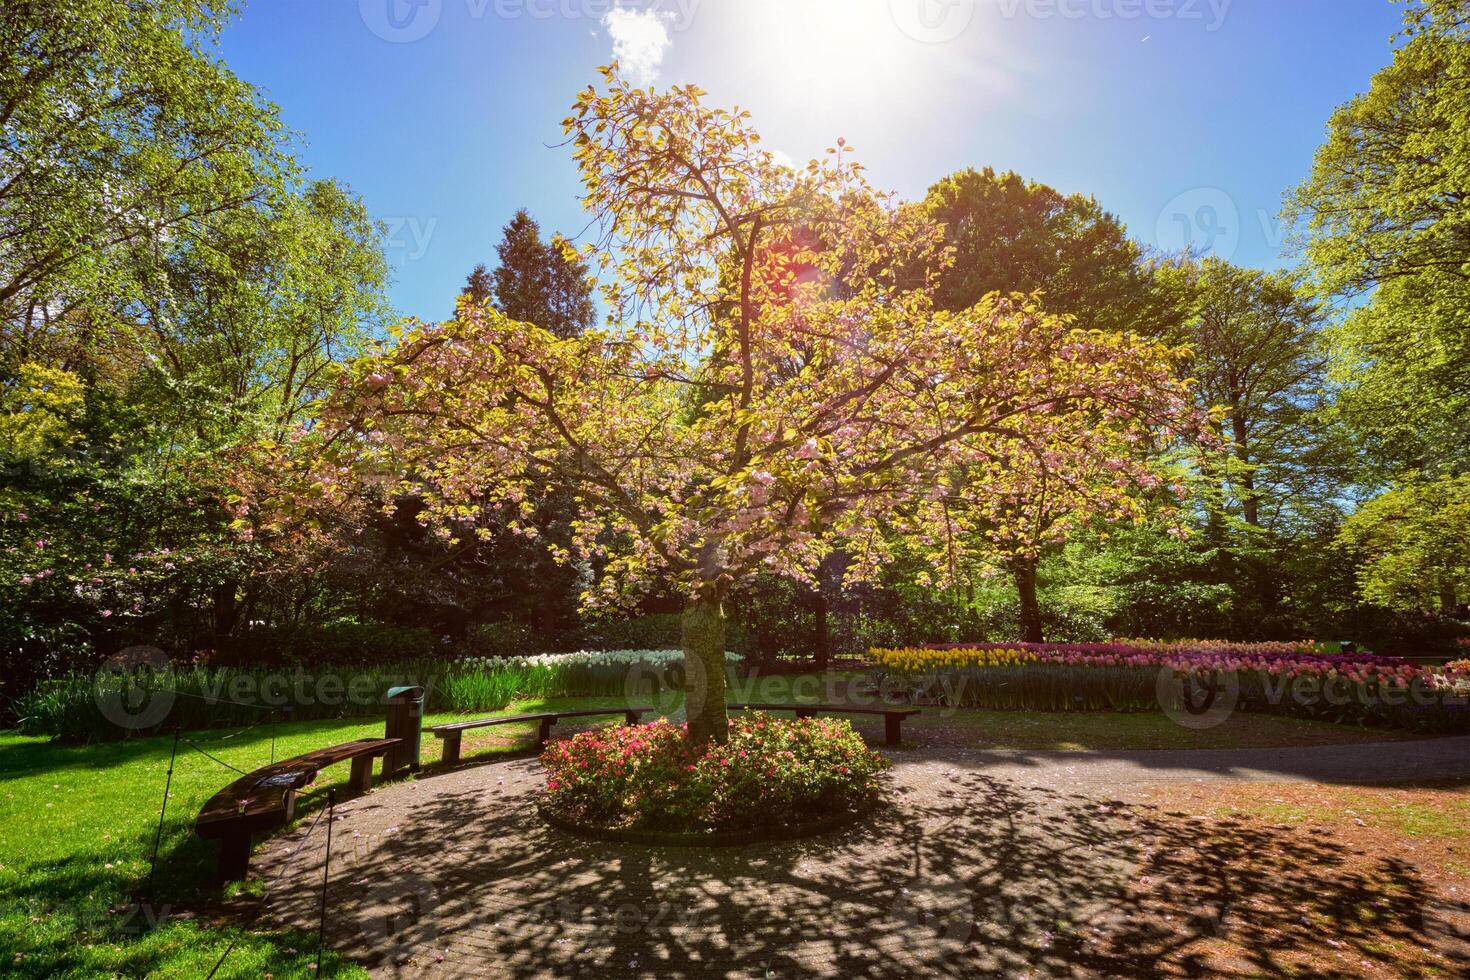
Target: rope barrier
point(265, 896)
point(221, 700)
point(211, 758)
point(329, 811)
point(168, 783)
point(321, 927)
point(268, 720)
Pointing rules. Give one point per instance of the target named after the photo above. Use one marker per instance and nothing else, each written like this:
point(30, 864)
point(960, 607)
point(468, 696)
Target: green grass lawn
point(77, 825)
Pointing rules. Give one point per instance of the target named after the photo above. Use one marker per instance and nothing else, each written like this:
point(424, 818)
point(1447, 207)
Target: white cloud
point(640, 39)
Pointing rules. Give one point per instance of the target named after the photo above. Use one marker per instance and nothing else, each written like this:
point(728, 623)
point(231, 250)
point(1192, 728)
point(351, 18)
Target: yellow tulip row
point(920, 659)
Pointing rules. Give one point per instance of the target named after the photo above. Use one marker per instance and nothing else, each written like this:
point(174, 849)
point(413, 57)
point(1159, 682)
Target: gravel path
point(1001, 863)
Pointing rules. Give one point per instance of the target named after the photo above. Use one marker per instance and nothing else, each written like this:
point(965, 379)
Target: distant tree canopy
point(536, 282)
point(1010, 234)
point(1414, 545)
point(1385, 221)
point(1386, 212)
point(171, 290)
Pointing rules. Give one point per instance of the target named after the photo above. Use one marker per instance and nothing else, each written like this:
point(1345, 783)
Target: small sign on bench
point(266, 798)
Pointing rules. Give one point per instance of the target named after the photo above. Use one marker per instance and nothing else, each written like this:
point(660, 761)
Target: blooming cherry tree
point(773, 381)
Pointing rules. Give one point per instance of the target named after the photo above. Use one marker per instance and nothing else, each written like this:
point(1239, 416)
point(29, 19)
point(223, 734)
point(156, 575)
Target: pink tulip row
point(1275, 658)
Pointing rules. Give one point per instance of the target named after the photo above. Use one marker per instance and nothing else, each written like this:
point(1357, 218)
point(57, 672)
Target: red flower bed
point(772, 773)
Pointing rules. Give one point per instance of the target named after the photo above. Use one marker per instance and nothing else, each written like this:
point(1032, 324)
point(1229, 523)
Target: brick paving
point(985, 863)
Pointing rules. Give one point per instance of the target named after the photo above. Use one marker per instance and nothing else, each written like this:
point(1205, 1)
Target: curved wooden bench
point(892, 717)
point(454, 731)
point(266, 798)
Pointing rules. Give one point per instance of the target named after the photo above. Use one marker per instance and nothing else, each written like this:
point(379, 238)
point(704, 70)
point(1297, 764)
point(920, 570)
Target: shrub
point(67, 708)
point(502, 640)
point(584, 674)
point(334, 643)
point(772, 773)
point(205, 696)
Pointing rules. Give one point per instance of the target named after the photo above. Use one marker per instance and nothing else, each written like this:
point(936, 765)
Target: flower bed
point(202, 696)
point(478, 682)
point(1286, 678)
point(771, 776)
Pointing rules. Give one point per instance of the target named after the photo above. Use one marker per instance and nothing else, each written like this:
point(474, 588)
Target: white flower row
point(583, 658)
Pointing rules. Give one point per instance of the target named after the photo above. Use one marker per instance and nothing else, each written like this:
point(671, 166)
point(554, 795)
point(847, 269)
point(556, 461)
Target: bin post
point(405, 721)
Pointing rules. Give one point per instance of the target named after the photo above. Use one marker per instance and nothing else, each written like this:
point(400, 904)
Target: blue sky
point(1188, 118)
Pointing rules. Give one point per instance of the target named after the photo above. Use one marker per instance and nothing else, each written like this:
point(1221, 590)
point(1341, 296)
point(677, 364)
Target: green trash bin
point(405, 721)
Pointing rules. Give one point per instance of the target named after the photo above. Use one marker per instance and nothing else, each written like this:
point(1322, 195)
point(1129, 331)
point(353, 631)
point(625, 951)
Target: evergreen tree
point(538, 283)
point(479, 286)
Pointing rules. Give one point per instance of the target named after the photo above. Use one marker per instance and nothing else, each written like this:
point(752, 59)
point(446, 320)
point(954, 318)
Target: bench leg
point(451, 748)
point(803, 713)
point(632, 717)
point(290, 805)
point(234, 857)
point(891, 725)
point(362, 774)
point(544, 733)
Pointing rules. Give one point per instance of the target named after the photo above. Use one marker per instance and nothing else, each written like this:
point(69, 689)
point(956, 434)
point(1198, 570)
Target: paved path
point(1440, 758)
point(1000, 863)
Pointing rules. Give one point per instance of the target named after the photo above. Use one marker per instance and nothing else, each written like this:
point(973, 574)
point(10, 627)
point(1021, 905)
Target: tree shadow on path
point(961, 873)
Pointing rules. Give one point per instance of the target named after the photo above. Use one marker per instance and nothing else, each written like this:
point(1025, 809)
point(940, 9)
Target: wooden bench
point(892, 717)
point(452, 732)
point(266, 798)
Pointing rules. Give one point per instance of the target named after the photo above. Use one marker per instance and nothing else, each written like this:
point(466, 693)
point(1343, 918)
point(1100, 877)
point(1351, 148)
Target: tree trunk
point(1448, 600)
point(822, 640)
point(703, 629)
point(226, 609)
point(1023, 569)
point(1250, 504)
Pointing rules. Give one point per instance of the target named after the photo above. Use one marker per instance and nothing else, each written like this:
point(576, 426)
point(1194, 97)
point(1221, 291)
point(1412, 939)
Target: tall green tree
point(1386, 213)
point(1012, 235)
point(120, 131)
point(1275, 485)
point(479, 285)
point(1412, 545)
point(171, 292)
point(539, 282)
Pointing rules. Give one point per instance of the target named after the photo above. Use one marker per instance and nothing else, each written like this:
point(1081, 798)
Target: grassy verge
point(1067, 731)
point(77, 825)
point(1317, 880)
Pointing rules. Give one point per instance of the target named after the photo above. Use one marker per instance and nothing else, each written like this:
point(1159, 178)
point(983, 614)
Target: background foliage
point(176, 296)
